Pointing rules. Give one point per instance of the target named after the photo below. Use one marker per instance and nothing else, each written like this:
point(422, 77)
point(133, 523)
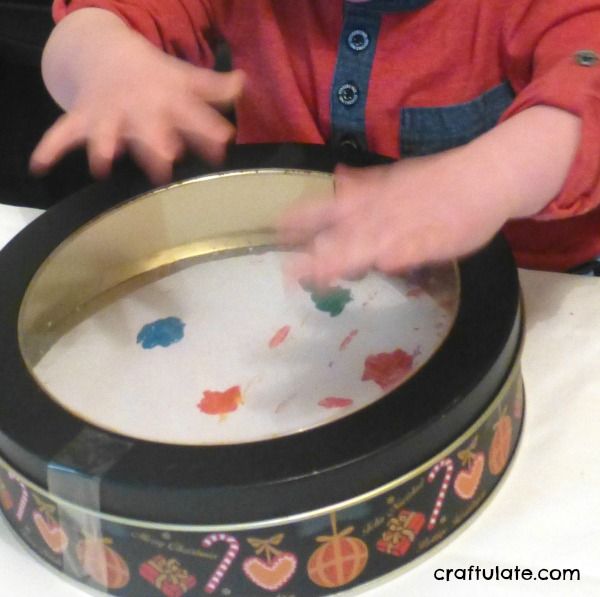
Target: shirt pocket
point(430, 130)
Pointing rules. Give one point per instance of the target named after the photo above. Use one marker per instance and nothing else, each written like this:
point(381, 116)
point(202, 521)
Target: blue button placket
point(350, 86)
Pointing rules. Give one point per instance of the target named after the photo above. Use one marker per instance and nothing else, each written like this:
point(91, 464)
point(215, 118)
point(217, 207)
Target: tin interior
point(265, 359)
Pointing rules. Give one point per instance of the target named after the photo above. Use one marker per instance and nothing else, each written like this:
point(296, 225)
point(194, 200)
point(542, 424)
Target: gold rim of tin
point(511, 379)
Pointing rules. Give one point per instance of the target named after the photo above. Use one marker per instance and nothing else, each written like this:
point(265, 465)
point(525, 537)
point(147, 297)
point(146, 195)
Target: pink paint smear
point(335, 402)
point(279, 337)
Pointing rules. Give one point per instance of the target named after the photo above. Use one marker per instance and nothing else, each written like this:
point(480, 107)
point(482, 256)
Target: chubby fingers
point(105, 143)
point(156, 153)
point(301, 223)
point(220, 90)
point(205, 131)
point(339, 252)
point(66, 134)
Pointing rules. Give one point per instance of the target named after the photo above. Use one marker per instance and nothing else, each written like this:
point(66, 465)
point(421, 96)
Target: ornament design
point(102, 563)
point(500, 446)
point(340, 560)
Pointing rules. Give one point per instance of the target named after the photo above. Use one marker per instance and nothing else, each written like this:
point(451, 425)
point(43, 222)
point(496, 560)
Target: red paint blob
point(348, 339)
point(334, 402)
point(388, 369)
point(280, 335)
point(220, 403)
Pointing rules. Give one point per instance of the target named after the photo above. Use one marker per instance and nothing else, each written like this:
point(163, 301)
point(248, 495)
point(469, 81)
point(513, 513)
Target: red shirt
point(447, 56)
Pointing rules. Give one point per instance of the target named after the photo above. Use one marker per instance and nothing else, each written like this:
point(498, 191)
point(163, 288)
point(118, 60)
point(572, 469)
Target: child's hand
point(131, 96)
point(434, 208)
point(393, 218)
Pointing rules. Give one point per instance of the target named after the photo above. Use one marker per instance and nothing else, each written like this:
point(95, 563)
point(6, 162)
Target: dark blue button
point(349, 149)
point(358, 40)
point(348, 94)
point(586, 58)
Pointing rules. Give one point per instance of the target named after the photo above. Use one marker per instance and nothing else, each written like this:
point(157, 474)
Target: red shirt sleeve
point(553, 58)
point(182, 28)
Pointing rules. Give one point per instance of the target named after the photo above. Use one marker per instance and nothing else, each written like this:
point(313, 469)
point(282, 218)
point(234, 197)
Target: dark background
point(26, 109)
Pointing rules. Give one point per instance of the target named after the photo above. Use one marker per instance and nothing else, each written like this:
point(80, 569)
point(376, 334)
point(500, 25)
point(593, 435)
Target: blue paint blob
point(162, 332)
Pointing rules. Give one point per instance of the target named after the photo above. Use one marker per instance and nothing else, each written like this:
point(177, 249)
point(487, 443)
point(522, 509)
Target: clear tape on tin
point(96, 452)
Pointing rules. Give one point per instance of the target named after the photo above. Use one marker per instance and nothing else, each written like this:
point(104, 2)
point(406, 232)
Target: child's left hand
point(393, 218)
point(433, 208)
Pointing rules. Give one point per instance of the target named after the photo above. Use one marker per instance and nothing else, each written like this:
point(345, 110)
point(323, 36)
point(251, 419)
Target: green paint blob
point(332, 300)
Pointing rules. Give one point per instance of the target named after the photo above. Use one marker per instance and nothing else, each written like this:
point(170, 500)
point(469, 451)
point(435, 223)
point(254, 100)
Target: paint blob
point(388, 369)
point(332, 300)
point(335, 402)
point(279, 337)
point(346, 341)
point(221, 403)
point(162, 332)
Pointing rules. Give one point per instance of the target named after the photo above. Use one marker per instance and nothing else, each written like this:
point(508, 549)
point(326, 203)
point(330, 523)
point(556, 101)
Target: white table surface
point(546, 513)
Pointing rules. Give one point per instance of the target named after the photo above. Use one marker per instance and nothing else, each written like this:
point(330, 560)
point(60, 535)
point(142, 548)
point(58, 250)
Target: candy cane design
point(439, 501)
point(23, 498)
point(230, 555)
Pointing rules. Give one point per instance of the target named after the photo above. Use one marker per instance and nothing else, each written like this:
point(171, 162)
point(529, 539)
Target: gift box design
point(167, 575)
point(401, 533)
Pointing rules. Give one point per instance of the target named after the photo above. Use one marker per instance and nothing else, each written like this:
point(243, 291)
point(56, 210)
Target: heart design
point(467, 480)
point(52, 533)
point(272, 575)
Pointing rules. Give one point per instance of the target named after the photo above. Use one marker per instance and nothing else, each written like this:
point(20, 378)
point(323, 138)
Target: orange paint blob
point(220, 403)
point(388, 369)
point(280, 335)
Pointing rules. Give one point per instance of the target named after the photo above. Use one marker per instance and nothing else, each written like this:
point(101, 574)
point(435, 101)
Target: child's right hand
point(121, 93)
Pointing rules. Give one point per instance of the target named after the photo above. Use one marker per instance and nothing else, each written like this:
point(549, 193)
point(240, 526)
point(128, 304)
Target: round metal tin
point(336, 502)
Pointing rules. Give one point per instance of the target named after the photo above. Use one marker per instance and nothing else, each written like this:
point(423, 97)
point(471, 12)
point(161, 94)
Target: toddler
point(492, 106)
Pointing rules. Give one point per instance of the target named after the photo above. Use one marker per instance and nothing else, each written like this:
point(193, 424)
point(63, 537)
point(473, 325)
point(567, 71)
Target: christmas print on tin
point(279, 567)
point(6, 500)
point(51, 532)
point(468, 478)
point(448, 465)
point(102, 563)
point(401, 532)
point(500, 446)
point(167, 575)
point(340, 560)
